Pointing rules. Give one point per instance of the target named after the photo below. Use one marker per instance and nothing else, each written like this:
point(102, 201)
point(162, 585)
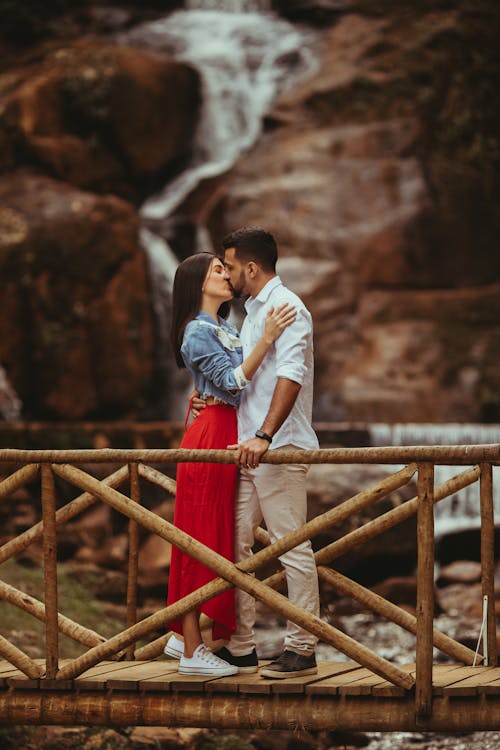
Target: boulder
point(81, 114)
point(461, 599)
point(93, 527)
point(401, 590)
point(109, 586)
point(154, 563)
point(392, 551)
point(111, 555)
point(460, 571)
point(74, 297)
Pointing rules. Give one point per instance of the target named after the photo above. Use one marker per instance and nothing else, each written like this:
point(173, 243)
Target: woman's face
point(216, 284)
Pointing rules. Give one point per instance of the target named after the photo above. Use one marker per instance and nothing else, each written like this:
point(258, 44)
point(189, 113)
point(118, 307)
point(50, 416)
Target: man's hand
point(197, 404)
point(249, 453)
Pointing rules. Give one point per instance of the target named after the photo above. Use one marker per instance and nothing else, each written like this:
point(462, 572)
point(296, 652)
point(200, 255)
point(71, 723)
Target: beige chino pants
point(277, 494)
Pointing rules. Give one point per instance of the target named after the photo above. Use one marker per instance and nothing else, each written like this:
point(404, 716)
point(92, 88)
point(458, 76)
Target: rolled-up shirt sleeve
point(291, 348)
point(205, 351)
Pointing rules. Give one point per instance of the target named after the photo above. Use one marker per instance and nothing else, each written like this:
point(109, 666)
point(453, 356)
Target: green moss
point(86, 90)
point(75, 601)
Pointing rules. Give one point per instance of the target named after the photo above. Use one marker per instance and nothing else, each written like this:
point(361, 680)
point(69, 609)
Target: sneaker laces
point(209, 657)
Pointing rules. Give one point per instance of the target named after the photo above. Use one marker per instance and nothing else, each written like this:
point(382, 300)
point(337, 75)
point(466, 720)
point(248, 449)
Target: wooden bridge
point(115, 682)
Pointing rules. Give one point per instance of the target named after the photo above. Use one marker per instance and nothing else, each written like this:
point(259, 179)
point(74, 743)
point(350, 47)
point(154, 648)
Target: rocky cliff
point(379, 176)
point(378, 180)
point(88, 128)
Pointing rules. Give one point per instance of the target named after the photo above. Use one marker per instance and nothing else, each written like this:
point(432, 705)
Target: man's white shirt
point(291, 356)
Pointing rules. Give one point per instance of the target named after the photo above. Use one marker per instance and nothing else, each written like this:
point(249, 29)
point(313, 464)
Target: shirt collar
point(265, 292)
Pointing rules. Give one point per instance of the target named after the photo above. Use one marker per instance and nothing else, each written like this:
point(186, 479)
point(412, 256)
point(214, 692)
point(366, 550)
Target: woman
point(209, 347)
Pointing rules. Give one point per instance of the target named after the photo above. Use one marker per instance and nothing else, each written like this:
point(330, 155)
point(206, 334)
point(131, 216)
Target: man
point(275, 413)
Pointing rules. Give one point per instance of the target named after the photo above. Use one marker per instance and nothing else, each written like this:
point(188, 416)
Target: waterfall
point(245, 57)
point(162, 264)
point(244, 60)
point(230, 6)
point(460, 510)
point(10, 404)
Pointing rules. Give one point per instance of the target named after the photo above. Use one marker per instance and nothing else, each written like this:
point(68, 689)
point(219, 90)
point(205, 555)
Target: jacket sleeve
point(203, 349)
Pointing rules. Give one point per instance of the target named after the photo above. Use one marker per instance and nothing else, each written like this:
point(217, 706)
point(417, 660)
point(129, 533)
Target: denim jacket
point(213, 355)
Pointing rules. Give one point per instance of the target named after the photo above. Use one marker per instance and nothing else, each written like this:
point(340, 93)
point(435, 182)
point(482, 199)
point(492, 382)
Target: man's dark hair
point(254, 243)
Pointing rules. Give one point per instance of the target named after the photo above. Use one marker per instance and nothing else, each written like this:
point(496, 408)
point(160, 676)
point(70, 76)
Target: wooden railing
point(26, 466)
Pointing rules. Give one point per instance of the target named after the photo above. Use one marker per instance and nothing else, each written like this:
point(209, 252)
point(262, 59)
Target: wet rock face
point(387, 553)
point(75, 295)
point(82, 114)
point(74, 291)
point(25, 24)
point(421, 356)
point(355, 177)
point(314, 12)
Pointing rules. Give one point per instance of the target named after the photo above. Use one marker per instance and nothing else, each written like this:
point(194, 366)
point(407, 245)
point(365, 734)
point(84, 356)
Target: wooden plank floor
point(342, 695)
point(333, 678)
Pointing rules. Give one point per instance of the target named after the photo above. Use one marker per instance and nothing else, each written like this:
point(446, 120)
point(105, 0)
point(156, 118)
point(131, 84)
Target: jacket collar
point(202, 315)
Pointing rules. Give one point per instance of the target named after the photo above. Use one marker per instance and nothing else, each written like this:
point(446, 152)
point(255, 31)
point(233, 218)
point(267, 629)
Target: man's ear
point(252, 269)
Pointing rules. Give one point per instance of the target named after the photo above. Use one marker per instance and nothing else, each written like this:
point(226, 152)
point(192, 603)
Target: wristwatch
point(264, 436)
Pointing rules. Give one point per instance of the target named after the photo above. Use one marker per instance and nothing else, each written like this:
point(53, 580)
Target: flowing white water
point(10, 403)
point(162, 264)
point(244, 59)
point(461, 510)
point(230, 6)
point(245, 56)
point(175, 386)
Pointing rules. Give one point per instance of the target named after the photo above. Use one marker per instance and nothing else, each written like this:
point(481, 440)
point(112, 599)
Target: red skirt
point(204, 509)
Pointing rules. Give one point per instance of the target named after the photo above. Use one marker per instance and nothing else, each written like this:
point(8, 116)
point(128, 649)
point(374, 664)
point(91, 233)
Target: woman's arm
point(204, 350)
point(276, 322)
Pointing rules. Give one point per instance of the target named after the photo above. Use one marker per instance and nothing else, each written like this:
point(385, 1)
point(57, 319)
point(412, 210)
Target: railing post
point(425, 590)
point(50, 571)
point(488, 560)
point(133, 557)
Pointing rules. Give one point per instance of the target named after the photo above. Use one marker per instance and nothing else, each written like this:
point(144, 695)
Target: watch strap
point(264, 436)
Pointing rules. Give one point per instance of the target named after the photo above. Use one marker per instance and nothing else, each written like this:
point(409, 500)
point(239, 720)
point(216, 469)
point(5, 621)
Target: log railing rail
point(27, 465)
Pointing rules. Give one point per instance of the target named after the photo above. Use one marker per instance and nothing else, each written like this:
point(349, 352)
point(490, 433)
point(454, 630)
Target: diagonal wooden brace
point(234, 574)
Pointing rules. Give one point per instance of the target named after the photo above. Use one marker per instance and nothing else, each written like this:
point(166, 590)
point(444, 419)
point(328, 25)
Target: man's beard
point(240, 285)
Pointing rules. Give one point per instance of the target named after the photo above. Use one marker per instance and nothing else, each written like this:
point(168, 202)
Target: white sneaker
point(174, 647)
point(204, 662)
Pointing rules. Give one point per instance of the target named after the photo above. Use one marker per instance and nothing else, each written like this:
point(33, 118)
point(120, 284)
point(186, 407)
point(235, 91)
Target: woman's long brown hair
point(186, 298)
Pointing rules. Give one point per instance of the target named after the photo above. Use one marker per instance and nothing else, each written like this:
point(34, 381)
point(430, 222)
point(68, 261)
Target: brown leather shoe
point(290, 664)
